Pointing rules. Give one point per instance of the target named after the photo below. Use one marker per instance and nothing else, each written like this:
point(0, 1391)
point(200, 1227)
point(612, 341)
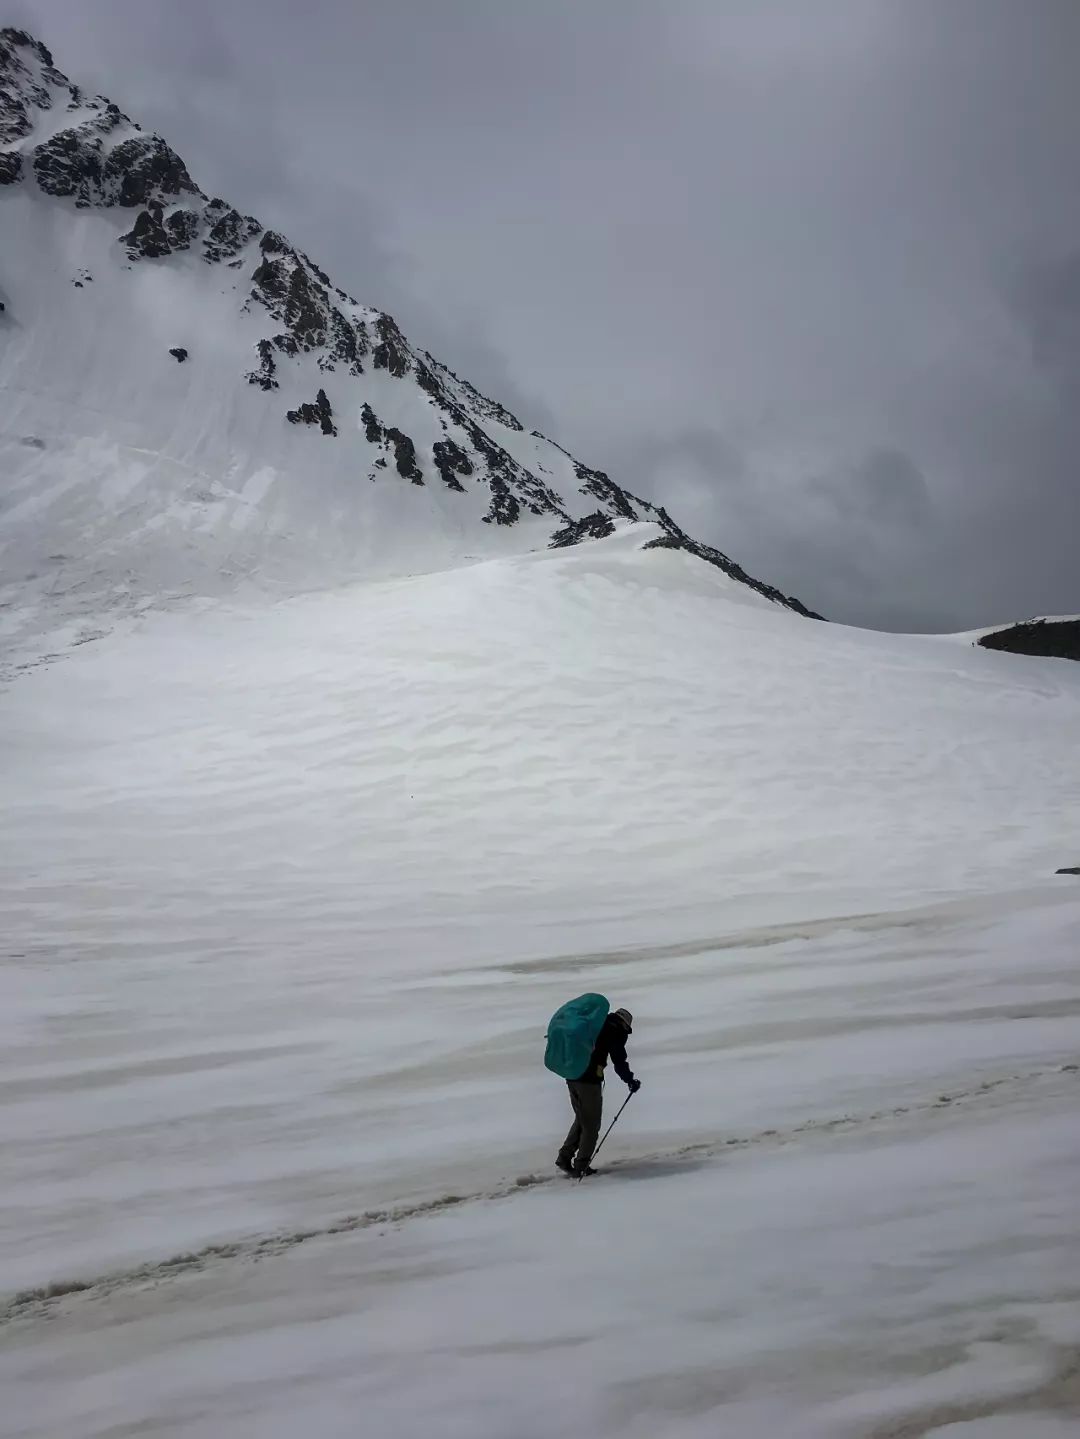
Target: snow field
point(289, 891)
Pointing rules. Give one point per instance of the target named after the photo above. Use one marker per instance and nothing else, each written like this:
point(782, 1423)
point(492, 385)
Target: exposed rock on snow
point(451, 461)
point(318, 413)
point(78, 163)
point(227, 231)
point(404, 456)
point(21, 86)
point(372, 429)
point(596, 526)
point(264, 375)
point(1056, 638)
point(391, 353)
point(151, 236)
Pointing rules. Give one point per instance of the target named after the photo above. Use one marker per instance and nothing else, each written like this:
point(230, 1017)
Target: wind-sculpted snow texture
point(301, 442)
point(289, 891)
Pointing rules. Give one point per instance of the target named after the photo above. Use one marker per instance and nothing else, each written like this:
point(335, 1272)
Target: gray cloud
point(1048, 302)
point(858, 535)
point(759, 260)
point(882, 489)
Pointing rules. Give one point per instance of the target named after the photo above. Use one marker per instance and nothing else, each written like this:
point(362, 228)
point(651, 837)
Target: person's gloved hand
point(634, 1086)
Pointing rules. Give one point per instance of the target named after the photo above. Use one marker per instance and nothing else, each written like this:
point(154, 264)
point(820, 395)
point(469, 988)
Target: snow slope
point(289, 892)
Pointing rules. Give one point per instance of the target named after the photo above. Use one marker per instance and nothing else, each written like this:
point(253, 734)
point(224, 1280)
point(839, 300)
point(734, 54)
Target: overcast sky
point(807, 271)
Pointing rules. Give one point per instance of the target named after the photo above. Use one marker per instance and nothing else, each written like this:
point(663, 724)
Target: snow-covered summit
point(189, 401)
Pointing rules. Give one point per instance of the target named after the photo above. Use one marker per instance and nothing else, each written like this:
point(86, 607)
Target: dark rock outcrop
point(306, 309)
point(348, 342)
point(10, 167)
point(265, 374)
point(291, 290)
point(504, 508)
point(603, 488)
point(152, 237)
point(1053, 639)
point(508, 480)
point(270, 283)
point(11, 37)
point(147, 239)
point(20, 90)
point(318, 413)
point(391, 353)
point(182, 226)
point(1073, 869)
point(451, 461)
point(179, 354)
point(70, 164)
point(227, 232)
point(373, 431)
point(405, 456)
point(144, 168)
point(403, 446)
point(596, 526)
point(76, 164)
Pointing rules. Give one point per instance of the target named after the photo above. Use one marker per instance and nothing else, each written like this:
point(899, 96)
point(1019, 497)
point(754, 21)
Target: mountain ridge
point(329, 368)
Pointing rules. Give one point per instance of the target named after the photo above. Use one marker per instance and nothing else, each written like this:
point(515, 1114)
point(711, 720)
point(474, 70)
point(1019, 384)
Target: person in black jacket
point(587, 1093)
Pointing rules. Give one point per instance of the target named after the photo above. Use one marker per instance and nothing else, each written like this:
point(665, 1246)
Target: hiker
point(587, 1092)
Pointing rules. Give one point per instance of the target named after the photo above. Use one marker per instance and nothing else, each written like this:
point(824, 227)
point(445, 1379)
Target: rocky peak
point(28, 78)
point(101, 158)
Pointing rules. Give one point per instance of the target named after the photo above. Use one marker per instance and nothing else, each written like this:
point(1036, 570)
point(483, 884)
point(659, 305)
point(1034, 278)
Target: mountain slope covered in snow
point(189, 402)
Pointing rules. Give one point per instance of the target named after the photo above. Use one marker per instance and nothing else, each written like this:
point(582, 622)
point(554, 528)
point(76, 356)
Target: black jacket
point(610, 1043)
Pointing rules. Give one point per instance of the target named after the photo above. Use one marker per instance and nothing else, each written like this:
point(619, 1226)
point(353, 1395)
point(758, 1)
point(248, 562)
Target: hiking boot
point(564, 1164)
point(582, 1171)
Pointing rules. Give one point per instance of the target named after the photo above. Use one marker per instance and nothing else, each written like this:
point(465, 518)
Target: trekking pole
point(608, 1130)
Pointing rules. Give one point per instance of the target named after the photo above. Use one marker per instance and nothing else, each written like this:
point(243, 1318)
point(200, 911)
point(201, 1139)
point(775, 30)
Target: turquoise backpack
point(572, 1033)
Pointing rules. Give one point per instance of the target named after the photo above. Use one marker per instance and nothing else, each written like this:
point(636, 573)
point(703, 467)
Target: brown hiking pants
point(588, 1102)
